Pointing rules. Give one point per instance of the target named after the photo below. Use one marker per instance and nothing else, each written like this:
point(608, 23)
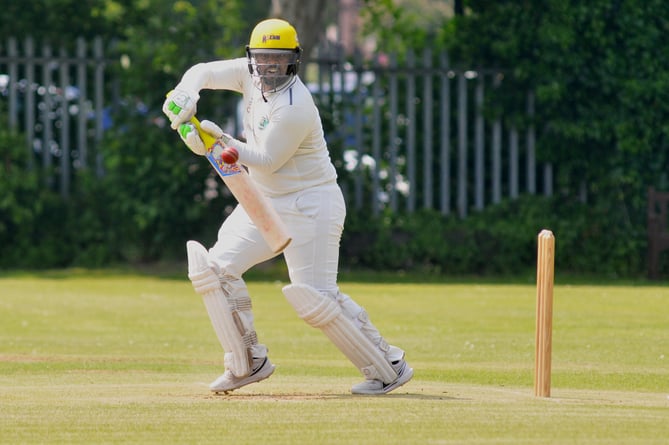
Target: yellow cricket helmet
point(274, 34)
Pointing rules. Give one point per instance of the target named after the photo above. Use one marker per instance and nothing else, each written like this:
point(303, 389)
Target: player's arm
point(284, 134)
point(181, 103)
point(200, 140)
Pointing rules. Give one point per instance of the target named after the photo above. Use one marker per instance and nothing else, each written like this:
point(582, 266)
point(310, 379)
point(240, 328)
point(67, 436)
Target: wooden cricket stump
point(544, 326)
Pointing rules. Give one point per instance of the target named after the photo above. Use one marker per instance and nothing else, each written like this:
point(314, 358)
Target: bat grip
point(208, 139)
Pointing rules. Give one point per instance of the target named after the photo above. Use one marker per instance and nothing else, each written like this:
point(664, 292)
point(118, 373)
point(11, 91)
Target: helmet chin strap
point(289, 81)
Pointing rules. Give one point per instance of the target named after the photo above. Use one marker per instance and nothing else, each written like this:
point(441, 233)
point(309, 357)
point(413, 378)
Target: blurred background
point(459, 130)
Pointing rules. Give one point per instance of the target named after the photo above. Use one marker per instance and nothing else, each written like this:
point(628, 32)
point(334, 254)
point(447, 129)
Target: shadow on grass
point(299, 397)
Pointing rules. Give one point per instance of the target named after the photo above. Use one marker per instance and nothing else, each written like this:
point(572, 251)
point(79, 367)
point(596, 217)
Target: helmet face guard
point(273, 54)
point(273, 67)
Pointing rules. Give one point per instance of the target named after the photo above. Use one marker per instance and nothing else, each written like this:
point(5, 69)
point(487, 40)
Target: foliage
point(496, 241)
point(160, 40)
point(155, 193)
point(600, 76)
point(598, 69)
point(398, 26)
point(44, 19)
point(155, 41)
point(160, 194)
point(20, 203)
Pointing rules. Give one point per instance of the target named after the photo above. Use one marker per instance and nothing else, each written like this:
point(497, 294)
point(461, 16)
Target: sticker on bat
point(223, 168)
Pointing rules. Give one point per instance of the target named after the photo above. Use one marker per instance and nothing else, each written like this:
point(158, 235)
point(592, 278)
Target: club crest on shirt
point(264, 121)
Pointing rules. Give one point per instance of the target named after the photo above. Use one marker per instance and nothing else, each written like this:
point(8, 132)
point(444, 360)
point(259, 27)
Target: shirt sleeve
point(219, 75)
point(285, 133)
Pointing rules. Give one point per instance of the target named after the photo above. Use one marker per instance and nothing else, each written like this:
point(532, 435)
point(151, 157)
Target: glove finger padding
point(180, 106)
point(211, 128)
point(216, 131)
point(191, 138)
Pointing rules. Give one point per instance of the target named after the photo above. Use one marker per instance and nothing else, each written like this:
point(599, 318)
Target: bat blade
point(247, 194)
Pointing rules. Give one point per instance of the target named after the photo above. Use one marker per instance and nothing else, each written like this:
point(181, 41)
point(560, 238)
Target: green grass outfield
point(104, 357)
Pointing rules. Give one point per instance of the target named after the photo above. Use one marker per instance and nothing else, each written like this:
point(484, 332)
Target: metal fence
point(411, 135)
point(56, 98)
point(415, 135)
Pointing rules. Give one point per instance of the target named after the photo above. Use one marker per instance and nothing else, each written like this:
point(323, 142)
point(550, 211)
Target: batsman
point(288, 161)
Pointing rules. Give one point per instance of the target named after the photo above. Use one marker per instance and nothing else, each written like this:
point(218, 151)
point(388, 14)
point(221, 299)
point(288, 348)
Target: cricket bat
point(247, 194)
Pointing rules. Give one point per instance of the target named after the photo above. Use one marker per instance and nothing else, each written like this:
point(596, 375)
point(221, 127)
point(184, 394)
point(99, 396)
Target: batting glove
point(180, 106)
point(191, 138)
point(194, 142)
point(215, 131)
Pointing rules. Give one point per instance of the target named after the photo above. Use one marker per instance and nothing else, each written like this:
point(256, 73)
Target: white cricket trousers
point(315, 221)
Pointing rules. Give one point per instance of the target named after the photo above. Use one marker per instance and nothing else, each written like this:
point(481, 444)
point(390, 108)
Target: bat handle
point(208, 139)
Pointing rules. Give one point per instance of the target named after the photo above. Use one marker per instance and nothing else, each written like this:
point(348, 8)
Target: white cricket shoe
point(262, 368)
point(372, 386)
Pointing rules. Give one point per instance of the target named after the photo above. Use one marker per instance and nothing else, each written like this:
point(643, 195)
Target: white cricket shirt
point(285, 149)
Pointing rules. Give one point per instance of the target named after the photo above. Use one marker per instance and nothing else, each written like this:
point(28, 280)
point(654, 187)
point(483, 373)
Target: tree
point(398, 25)
point(599, 72)
point(308, 19)
point(43, 20)
point(459, 8)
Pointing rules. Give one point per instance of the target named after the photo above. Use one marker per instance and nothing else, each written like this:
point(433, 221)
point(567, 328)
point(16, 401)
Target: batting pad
point(325, 313)
point(225, 323)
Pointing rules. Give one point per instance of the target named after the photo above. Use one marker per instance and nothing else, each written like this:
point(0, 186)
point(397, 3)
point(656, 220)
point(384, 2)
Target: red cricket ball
point(229, 155)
